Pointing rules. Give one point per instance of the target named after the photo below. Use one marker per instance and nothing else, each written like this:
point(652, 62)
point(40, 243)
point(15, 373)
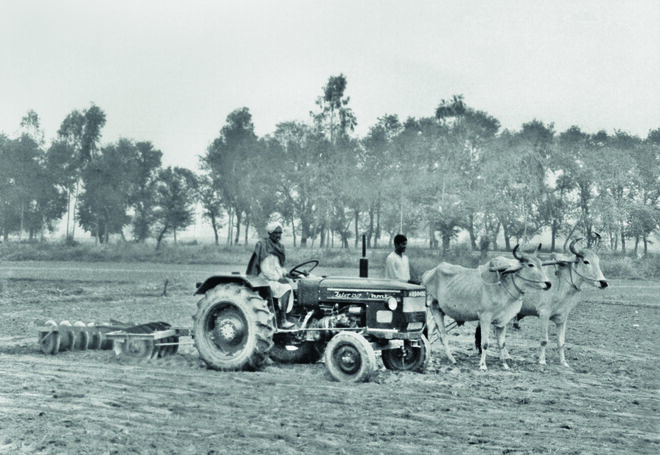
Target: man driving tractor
point(267, 261)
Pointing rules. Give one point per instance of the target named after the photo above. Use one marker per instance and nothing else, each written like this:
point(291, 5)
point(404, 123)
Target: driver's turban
point(273, 226)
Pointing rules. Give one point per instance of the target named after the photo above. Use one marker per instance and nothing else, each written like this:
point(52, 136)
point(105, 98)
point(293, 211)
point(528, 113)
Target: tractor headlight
point(392, 303)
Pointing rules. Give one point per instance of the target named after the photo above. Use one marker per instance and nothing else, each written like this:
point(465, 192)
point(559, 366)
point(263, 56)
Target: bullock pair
point(490, 294)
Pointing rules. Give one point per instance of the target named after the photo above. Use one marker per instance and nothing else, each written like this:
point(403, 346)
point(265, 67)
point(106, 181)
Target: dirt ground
point(91, 402)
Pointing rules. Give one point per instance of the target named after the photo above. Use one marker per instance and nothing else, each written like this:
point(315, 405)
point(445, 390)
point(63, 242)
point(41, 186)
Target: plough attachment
point(54, 337)
point(147, 341)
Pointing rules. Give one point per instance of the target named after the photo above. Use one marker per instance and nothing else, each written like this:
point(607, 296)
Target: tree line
point(455, 171)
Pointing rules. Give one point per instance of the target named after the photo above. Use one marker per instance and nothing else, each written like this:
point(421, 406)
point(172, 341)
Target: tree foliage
point(434, 177)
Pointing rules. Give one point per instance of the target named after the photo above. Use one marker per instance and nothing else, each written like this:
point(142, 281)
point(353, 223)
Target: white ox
point(571, 273)
point(489, 294)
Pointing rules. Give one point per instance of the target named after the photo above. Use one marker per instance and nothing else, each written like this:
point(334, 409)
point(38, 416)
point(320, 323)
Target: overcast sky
point(171, 71)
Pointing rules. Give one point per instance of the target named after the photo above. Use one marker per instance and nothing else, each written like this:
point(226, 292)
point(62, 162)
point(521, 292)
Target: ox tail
point(477, 337)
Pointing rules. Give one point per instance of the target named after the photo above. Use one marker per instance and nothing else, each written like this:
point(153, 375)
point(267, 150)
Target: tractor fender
point(251, 281)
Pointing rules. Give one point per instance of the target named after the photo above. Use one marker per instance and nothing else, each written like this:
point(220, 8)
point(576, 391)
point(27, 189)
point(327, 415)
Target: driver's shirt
point(271, 268)
point(273, 271)
point(397, 267)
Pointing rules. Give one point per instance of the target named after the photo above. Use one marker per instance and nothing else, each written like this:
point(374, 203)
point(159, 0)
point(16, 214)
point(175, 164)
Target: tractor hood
point(373, 284)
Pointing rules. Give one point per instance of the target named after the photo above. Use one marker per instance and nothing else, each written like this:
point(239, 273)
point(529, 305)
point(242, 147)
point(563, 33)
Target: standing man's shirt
point(397, 267)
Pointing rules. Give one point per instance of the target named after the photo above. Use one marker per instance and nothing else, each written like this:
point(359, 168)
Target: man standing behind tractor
point(397, 266)
point(267, 261)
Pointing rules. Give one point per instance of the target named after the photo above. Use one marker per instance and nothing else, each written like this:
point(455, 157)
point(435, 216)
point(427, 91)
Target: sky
point(170, 72)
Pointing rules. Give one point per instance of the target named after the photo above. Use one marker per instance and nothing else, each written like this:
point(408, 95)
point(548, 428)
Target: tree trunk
point(239, 215)
point(473, 238)
point(161, 234)
point(445, 244)
point(507, 238)
point(305, 229)
point(357, 234)
point(293, 230)
point(370, 231)
point(20, 230)
point(230, 224)
point(496, 231)
point(215, 228)
point(553, 236)
point(73, 214)
point(646, 246)
point(247, 229)
point(377, 236)
point(623, 243)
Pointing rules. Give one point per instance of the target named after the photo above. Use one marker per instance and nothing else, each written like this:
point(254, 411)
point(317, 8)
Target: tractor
point(343, 321)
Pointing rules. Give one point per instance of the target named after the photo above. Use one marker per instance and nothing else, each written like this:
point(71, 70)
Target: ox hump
point(447, 269)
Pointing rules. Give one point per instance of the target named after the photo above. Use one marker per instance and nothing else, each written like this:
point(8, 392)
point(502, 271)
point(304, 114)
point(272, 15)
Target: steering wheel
point(303, 269)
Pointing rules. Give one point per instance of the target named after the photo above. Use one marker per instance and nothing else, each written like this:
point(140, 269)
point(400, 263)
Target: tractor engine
point(336, 318)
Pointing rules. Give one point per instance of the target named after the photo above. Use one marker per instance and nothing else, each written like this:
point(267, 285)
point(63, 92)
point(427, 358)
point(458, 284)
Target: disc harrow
point(79, 336)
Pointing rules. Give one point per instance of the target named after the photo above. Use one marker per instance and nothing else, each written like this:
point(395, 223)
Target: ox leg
point(544, 321)
point(485, 329)
point(500, 333)
point(561, 338)
point(439, 320)
point(430, 323)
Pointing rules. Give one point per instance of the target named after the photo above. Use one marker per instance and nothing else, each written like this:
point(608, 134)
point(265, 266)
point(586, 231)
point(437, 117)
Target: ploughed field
point(93, 402)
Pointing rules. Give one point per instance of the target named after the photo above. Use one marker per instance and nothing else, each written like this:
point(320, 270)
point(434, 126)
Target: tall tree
point(81, 132)
point(230, 161)
point(299, 149)
point(211, 204)
point(142, 199)
point(108, 181)
point(334, 117)
point(175, 196)
point(379, 162)
point(336, 120)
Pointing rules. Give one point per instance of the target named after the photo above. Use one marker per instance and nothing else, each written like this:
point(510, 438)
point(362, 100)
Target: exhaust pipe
point(364, 262)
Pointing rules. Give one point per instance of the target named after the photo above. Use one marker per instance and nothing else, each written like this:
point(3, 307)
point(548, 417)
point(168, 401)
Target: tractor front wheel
point(349, 357)
point(233, 328)
point(408, 358)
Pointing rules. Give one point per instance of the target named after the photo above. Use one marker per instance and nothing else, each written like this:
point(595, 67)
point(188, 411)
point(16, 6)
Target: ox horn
point(515, 252)
point(538, 248)
point(572, 246)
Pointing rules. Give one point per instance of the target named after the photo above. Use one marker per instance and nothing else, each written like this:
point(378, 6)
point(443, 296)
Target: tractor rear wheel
point(349, 357)
point(233, 328)
point(408, 358)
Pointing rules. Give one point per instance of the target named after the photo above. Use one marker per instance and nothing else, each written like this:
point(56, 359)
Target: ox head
point(526, 266)
point(587, 265)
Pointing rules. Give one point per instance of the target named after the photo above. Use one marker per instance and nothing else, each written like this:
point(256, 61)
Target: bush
point(647, 267)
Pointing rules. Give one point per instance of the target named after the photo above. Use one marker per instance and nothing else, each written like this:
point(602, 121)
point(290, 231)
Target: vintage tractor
point(345, 319)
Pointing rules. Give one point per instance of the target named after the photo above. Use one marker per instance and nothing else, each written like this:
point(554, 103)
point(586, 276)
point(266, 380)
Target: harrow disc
point(82, 335)
point(175, 347)
point(171, 348)
point(49, 342)
point(140, 348)
point(95, 336)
